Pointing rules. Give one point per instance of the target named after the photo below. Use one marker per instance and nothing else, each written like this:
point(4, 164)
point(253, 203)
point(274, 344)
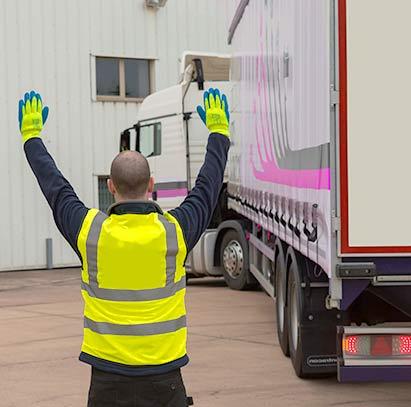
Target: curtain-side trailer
point(315, 207)
point(319, 171)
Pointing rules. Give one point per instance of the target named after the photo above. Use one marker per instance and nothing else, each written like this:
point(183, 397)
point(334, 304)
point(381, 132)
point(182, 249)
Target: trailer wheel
point(280, 304)
point(294, 312)
point(234, 261)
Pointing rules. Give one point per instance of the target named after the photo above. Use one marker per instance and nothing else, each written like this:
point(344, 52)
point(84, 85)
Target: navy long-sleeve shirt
point(193, 214)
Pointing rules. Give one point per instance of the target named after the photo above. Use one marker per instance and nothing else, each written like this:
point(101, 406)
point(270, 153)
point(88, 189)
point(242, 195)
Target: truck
point(315, 202)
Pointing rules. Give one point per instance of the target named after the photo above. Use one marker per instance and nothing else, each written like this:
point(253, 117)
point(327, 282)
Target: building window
point(105, 199)
point(108, 77)
point(149, 139)
point(122, 79)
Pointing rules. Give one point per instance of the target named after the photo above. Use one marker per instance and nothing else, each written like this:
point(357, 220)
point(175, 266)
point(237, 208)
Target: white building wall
point(47, 45)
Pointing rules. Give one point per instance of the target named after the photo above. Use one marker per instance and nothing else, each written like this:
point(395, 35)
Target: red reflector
point(350, 345)
point(405, 345)
point(381, 345)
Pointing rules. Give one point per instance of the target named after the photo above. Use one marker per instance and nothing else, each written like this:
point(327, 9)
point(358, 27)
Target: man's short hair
point(130, 174)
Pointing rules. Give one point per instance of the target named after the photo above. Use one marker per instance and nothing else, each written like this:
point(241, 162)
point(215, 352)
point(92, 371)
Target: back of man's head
point(130, 174)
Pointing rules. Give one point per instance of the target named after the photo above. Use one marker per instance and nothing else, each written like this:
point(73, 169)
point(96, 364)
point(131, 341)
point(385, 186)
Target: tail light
point(402, 345)
point(363, 348)
point(377, 345)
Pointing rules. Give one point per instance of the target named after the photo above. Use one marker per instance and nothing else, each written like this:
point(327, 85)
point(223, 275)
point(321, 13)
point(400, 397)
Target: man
point(133, 276)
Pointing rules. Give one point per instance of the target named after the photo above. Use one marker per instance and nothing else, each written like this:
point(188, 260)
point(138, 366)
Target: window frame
point(156, 144)
point(122, 80)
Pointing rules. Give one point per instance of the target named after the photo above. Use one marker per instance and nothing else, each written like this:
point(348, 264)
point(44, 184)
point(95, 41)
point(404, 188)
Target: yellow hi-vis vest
point(133, 285)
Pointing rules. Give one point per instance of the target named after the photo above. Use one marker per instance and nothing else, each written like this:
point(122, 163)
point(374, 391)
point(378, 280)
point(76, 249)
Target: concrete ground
point(235, 357)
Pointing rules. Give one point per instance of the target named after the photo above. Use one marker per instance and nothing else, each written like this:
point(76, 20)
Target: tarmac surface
point(235, 357)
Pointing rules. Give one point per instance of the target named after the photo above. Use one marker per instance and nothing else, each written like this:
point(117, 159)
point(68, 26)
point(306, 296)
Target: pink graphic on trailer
point(265, 165)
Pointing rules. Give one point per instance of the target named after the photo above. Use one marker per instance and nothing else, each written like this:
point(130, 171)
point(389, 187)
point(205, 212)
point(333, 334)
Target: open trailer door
point(374, 169)
point(375, 127)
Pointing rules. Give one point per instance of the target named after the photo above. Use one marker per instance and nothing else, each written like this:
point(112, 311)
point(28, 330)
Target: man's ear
point(111, 187)
point(151, 185)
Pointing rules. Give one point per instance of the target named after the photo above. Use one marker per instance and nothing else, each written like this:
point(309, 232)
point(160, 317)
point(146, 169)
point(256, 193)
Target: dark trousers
point(113, 390)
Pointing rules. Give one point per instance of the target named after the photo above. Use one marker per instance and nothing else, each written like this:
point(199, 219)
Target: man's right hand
point(32, 115)
point(215, 113)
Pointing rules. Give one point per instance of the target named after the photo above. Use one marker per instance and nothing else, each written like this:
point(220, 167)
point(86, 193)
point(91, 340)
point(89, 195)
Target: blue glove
point(32, 115)
point(215, 114)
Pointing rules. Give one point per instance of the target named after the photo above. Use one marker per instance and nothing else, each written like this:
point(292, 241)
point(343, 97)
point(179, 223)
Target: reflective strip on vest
point(134, 295)
point(91, 247)
point(172, 249)
point(155, 328)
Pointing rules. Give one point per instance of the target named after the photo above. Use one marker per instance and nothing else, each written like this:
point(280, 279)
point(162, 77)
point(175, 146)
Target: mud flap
point(318, 350)
point(318, 333)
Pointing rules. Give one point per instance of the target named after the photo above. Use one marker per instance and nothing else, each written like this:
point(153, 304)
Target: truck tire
point(280, 304)
point(294, 311)
point(234, 261)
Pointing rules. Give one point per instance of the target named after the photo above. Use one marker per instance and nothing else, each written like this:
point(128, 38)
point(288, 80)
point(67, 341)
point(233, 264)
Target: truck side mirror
point(125, 140)
point(200, 73)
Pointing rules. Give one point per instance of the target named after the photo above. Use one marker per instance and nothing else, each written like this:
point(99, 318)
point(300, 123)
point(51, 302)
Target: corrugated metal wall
point(48, 45)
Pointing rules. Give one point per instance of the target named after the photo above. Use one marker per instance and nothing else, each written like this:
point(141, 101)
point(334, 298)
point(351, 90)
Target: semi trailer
point(315, 204)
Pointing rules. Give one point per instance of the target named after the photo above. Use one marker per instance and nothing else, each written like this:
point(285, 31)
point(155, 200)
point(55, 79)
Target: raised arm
point(68, 210)
point(194, 214)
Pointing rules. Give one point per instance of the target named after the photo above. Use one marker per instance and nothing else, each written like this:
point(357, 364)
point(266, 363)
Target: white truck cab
point(170, 133)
